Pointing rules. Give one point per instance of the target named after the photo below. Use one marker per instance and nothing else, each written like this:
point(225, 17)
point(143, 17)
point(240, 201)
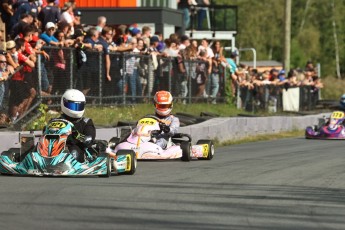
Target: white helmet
point(73, 103)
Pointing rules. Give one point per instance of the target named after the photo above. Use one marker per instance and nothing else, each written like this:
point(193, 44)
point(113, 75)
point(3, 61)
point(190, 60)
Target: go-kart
point(51, 157)
point(330, 128)
point(142, 141)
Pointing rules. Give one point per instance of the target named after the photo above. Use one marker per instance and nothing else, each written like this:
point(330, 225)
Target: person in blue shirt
point(48, 35)
point(233, 72)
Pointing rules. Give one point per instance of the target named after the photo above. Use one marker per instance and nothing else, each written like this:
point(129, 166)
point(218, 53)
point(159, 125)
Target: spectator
point(190, 65)
point(233, 72)
point(61, 77)
point(65, 28)
point(49, 13)
point(161, 45)
point(101, 22)
point(202, 12)
point(185, 42)
point(107, 33)
point(20, 90)
point(122, 37)
point(273, 74)
point(184, 6)
point(292, 78)
point(77, 19)
point(48, 35)
point(202, 71)
point(4, 73)
point(135, 33)
point(194, 44)
point(143, 65)
point(216, 70)
point(67, 15)
point(90, 72)
point(146, 34)
point(24, 7)
point(6, 12)
point(12, 54)
point(18, 28)
point(132, 63)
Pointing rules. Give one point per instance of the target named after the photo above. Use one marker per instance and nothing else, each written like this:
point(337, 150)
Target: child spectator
point(201, 74)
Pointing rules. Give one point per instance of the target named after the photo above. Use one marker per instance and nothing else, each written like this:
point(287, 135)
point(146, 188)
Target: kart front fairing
point(63, 164)
point(50, 156)
point(141, 141)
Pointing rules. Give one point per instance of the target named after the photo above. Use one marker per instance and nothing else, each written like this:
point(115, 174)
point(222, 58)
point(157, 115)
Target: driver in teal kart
point(73, 108)
point(163, 102)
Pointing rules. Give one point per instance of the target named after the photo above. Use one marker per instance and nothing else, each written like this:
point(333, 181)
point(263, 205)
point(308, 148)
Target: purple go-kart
point(330, 128)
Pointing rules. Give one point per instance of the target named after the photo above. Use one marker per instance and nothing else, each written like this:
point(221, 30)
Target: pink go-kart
point(142, 141)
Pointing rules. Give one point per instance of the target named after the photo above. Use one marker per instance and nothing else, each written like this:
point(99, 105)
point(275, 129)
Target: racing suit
point(85, 127)
point(172, 124)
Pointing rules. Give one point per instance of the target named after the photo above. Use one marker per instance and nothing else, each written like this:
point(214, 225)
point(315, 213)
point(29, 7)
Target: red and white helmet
point(163, 103)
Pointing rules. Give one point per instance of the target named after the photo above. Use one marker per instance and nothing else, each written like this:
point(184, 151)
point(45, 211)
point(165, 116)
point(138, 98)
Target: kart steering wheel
point(162, 125)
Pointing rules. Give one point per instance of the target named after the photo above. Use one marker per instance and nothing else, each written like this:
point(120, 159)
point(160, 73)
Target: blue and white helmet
point(73, 103)
point(342, 101)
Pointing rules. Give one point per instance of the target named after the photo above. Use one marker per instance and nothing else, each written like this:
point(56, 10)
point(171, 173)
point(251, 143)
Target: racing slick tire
point(108, 174)
point(186, 150)
point(133, 163)
point(306, 132)
point(210, 148)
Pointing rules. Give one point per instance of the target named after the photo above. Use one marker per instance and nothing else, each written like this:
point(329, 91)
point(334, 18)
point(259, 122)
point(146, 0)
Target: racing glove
point(165, 128)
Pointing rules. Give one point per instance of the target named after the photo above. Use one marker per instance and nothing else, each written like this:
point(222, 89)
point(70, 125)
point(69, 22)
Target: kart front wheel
point(186, 150)
point(131, 161)
point(209, 148)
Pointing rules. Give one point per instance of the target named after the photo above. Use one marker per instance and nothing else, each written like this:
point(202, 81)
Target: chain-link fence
point(133, 78)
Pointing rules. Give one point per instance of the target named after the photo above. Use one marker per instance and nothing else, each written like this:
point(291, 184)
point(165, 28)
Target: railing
point(214, 17)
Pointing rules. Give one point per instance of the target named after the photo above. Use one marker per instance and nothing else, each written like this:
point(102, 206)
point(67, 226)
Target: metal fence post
point(39, 73)
point(71, 61)
point(100, 56)
point(124, 73)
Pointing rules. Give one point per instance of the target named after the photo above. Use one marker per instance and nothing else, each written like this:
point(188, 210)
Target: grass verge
point(263, 137)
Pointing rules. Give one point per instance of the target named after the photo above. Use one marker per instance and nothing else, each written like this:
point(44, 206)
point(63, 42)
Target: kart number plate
point(205, 150)
point(57, 125)
point(129, 160)
point(147, 121)
point(337, 115)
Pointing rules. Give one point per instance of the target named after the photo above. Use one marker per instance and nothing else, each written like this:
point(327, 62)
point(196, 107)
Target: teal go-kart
point(50, 156)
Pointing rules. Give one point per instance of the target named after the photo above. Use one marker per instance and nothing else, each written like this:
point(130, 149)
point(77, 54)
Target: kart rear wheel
point(108, 174)
point(210, 149)
point(186, 150)
point(133, 159)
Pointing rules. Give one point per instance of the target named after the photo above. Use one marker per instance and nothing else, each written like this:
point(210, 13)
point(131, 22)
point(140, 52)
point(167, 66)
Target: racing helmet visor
point(74, 105)
point(163, 106)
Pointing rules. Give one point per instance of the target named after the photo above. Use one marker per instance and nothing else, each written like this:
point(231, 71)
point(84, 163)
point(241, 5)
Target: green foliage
point(108, 116)
point(333, 88)
point(41, 121)
point(261, 26)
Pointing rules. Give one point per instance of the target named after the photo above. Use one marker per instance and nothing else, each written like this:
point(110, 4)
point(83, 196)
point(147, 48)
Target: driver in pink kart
point(163, 102)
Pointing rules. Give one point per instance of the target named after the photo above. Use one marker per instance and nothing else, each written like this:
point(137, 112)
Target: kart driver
point(72, 107)
point(163, 102)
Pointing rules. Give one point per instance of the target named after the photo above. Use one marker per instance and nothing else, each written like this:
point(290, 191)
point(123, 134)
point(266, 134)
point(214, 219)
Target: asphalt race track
point(283, 184)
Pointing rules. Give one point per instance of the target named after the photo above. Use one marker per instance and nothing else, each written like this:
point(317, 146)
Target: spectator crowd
point(39, 36)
